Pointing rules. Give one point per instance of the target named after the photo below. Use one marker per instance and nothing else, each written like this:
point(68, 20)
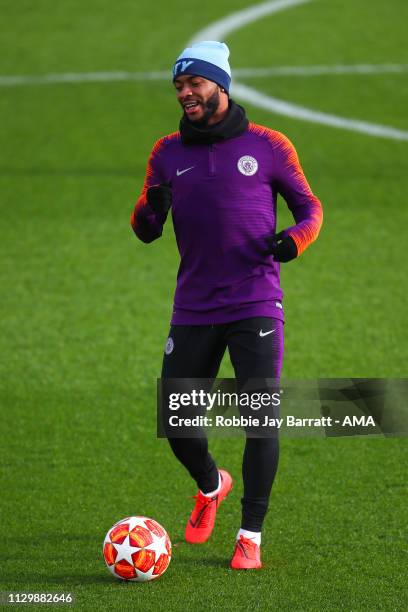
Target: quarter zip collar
point(234, 124)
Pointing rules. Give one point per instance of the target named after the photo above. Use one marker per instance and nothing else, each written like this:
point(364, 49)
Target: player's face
point(198, 96)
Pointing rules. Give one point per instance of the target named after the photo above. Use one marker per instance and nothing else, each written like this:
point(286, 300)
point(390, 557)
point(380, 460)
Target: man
point(220, 175)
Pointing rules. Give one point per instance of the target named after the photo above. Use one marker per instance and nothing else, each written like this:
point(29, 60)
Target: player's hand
point(159, 198)
point(282, 248)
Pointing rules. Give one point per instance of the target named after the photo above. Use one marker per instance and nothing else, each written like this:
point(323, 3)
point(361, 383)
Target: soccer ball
point(137, 548)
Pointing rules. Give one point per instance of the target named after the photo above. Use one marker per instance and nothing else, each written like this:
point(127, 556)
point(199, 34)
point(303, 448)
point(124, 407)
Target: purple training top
point(224, 207)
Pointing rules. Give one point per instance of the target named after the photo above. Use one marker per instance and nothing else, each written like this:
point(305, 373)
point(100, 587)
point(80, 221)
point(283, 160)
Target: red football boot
point(247, 554)
point(201, 522)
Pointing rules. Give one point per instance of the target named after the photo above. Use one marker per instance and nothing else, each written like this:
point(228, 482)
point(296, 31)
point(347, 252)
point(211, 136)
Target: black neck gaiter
point(234, 124)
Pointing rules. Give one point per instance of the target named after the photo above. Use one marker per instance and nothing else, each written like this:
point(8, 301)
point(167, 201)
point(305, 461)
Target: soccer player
point(220, 175)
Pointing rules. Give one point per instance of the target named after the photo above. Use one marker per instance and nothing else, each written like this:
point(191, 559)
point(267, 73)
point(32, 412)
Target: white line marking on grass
point(220, 29)
point(165, 75)
point(83, 77)
point(295, 111)
point(235, 21)
point(310, 71)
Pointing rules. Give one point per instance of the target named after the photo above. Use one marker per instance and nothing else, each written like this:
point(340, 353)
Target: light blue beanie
point(208, 59)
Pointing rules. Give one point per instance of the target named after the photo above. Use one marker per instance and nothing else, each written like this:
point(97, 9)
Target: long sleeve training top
point(224, 208)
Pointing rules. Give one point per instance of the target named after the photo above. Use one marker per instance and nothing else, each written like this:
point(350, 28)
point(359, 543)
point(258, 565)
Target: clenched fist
point(159, 197)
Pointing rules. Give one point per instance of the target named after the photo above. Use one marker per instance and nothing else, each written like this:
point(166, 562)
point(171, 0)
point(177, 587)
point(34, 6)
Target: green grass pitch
point(85, 309)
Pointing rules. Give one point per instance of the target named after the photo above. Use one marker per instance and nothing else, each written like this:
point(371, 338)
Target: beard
point(210, 107)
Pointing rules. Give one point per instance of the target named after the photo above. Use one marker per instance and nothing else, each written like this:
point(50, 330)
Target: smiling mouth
point(191, 107)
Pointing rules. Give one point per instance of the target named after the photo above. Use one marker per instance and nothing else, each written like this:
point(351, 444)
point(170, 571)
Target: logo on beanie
point(247, 165)
point(182, 66)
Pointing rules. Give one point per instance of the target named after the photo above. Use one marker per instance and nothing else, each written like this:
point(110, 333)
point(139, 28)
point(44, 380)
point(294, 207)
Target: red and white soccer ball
point(137, 548)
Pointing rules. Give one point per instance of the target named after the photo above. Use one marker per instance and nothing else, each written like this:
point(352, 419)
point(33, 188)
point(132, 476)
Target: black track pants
point(196, 351)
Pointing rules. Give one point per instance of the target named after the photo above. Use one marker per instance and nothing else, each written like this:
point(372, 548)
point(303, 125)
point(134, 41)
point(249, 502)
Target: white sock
point(255, 536)
point(212, 493)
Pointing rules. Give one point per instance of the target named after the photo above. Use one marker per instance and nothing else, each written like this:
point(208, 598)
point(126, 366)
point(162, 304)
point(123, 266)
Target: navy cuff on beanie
point(202, 68)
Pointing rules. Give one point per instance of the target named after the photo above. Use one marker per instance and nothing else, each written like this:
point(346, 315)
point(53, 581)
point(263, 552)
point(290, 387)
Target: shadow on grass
point(198, 554)
point(184, 555)
point(213, 561)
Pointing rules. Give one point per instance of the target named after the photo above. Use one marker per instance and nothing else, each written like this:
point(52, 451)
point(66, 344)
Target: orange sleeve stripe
point(280, 140)
point(157, 147)
point(306, 231)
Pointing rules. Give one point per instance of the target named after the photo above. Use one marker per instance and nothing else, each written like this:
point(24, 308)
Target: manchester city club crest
point(169, 346)
point(247, 165)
